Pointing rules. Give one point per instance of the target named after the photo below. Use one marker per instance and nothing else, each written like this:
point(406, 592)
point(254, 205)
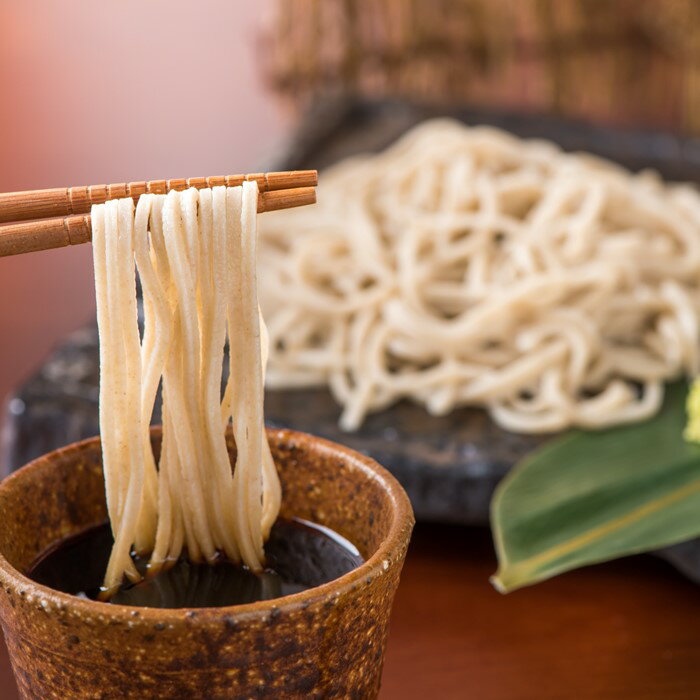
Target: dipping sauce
point(299, 555)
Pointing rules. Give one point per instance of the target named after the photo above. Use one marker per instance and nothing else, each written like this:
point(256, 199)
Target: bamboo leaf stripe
point(526, 570)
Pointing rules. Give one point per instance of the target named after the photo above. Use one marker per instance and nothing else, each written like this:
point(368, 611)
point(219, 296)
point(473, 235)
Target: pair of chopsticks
point(69, 206)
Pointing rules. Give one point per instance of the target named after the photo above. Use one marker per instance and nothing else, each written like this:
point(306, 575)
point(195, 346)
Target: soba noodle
point(196, 257)
point(463, 266)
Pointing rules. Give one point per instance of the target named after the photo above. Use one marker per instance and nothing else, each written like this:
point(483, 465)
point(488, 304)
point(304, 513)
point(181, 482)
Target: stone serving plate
point(327, 641)
point(449, 465)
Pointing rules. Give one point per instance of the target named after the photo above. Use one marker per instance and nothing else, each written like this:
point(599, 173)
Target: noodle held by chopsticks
point(463, 266)
point(196, 256)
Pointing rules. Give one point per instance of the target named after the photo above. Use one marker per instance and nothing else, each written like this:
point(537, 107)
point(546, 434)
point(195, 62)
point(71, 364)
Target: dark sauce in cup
point(299, 555)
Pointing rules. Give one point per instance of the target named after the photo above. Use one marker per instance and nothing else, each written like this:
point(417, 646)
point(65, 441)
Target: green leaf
point(593, 496)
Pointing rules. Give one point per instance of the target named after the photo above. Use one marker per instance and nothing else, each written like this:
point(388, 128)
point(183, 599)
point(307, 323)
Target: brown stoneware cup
point(324, 642)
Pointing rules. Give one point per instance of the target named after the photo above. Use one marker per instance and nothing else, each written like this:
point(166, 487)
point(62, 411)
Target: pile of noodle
point(195, 252)
point(465, 267)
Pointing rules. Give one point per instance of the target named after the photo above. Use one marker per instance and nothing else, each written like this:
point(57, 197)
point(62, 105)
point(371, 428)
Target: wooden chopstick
point(63, 201)
point(278, 190)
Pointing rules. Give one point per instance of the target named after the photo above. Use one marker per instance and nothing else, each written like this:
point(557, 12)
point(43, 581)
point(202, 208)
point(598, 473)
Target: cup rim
point(382, 559)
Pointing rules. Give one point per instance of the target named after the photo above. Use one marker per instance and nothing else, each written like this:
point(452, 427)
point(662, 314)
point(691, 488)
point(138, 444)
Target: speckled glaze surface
point(325, 642)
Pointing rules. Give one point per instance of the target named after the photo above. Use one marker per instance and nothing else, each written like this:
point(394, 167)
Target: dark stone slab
point(449, 465)
point(335, 129)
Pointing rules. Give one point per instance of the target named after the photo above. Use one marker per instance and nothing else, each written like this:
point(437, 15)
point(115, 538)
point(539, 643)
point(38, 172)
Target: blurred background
point(108, 92)
point(628, 62)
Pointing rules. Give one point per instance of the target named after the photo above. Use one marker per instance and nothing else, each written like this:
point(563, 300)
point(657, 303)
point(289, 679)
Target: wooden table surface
point(627, 629)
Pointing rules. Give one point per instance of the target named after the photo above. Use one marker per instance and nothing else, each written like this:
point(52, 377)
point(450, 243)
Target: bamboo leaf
point(593, 496)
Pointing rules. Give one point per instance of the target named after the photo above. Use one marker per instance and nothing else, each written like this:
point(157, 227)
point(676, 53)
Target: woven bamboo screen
point(620, 61)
